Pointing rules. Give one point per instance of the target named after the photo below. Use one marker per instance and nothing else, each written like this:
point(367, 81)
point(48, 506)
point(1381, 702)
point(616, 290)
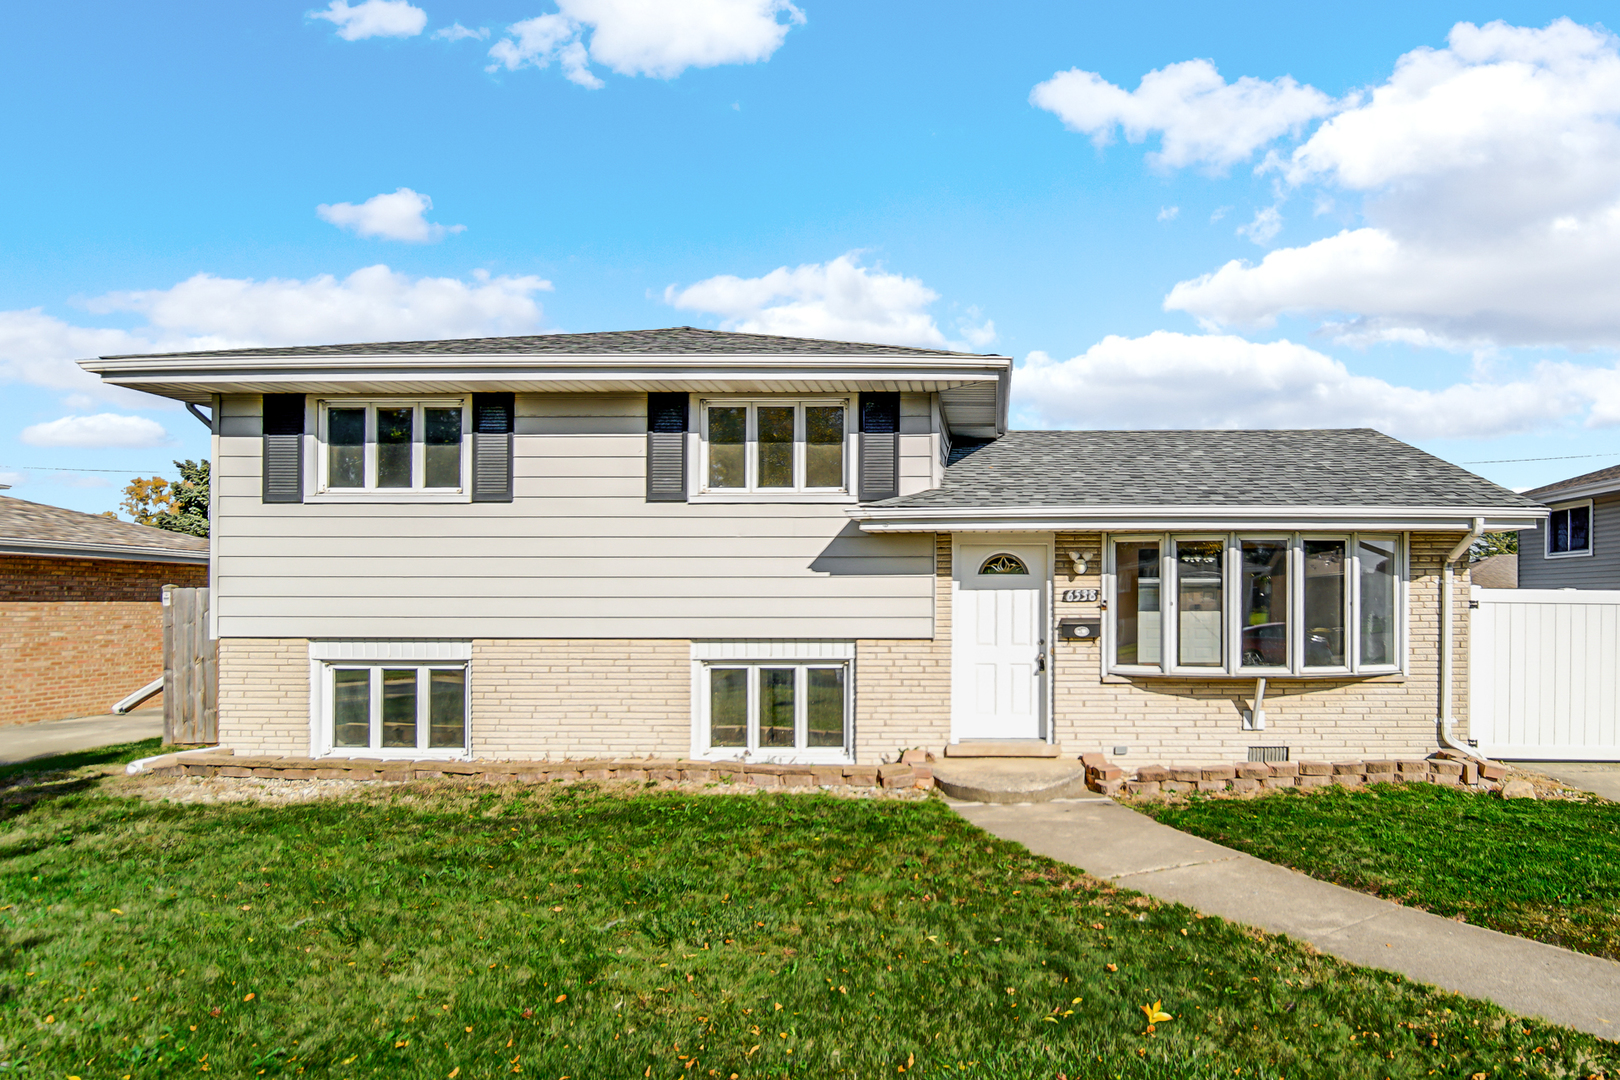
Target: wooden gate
point(1544, 674)
point(190, 669)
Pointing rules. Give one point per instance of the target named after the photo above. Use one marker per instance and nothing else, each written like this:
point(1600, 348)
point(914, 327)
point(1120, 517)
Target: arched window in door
point(1003, 564)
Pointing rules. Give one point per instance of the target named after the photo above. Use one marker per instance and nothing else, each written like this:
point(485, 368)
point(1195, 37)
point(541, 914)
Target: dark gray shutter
point(666, 447)
point(492, 447)
point(880, 447)
point(284, 448)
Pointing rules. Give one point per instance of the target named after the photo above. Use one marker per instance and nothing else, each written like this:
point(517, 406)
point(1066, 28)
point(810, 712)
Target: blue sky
point(1170, 215)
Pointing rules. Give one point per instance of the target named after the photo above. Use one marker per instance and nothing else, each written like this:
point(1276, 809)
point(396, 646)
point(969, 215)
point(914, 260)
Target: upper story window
point(1237, 604)
point(774, 447)
point(413, 448)
point(1569, 530)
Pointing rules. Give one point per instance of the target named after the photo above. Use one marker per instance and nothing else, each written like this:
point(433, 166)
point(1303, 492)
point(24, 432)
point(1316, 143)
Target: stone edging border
point(272, 766)
point(1445, 767)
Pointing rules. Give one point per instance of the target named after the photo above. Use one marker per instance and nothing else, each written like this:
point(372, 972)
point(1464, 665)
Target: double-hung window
point(1260, 604)
point(1569, 530)
point(774, 447)
point(766, 702)
point(411, 448)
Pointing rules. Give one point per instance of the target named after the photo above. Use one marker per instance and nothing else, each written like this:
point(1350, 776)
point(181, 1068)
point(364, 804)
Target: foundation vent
point(1268, 753)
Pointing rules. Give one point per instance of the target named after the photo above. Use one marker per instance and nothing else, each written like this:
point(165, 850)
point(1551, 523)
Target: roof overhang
point(1574, 491)
point(973, 389)
point(121, 552)
point(879, 519)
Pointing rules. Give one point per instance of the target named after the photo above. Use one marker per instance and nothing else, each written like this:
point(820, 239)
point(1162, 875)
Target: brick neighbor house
point(689, 543)
point(81, 622)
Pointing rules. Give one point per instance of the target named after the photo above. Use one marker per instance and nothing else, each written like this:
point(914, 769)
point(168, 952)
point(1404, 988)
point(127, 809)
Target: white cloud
point(1168, 213)
point(841, 300)
point(1170, 380)
point(371, 304)
point(13, 479)
point(373, 18)
point(103, 431)
point(208, 312)
point(1267, 223)
point(1490, 176)
point(390, 216)
point(658, 38)
point(457, 32)
point(1199, 116)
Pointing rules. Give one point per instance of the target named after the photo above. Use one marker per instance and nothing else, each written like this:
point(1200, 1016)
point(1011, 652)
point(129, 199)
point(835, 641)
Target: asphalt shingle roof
point(22, 522)
point(1345, 467)
point(1599, 476)
point(671, 341)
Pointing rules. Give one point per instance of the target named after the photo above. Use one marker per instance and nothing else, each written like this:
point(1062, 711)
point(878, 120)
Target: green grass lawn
point(1540, 869)
point(481, 932)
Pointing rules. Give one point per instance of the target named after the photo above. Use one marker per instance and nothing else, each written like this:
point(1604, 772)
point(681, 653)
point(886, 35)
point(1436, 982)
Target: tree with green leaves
point(1494, 543)
point(180, 506)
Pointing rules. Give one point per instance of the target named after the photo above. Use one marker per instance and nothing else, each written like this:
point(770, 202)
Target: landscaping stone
point(1279, 781)
point(1212, 785)
point(1518, 789)
point(1315, 768)
point(1185, 775)
point(1176, 787)
point(1411, 767)
point(1349, 768)
point(1245, 783)
point(1253, 770)
point(1492, 772)
point(1142, 788)
point(1216, 772)
point(1446, 768)
point(1283, 768)
point(1380, 767)
point(1315, 780)
point(914, 757)
point(1348, 779)
point(1153, 774)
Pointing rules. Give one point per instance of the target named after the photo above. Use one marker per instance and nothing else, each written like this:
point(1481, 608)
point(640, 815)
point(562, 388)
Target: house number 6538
point(1079, 596)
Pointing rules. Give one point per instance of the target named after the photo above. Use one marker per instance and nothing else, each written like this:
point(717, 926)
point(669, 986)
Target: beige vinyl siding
point(1599, 570)
point(919, 444)
point(577, 554)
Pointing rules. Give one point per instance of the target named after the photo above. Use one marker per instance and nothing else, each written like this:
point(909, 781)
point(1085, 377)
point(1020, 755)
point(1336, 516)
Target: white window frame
point(328, 657)
point(752, 492)
point(802, 656)
point(418, 492)
point(1232, 665)
point(1591, 523)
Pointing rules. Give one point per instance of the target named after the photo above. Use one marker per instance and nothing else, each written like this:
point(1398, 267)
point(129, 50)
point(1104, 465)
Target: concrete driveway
point(23, 742)
point(1600, 777)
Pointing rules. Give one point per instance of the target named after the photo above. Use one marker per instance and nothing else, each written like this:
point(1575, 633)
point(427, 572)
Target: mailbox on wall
point(1080, 629)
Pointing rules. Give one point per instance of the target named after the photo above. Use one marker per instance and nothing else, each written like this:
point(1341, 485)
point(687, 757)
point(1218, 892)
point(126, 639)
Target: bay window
point(386, 447)
point(1261, 604)
point(775, 447)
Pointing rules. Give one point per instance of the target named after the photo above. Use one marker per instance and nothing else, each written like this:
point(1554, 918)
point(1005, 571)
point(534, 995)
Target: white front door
point(998, 646)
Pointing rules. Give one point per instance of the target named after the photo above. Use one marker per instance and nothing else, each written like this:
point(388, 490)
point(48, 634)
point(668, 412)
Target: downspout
point(1446, 719)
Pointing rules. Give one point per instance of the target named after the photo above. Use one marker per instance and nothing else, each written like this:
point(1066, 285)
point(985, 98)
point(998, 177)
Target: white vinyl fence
point(1542, 674)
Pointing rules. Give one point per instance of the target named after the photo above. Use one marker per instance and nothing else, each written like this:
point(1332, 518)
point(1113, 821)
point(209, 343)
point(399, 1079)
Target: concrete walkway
point(1110, 841)
point(1599, 777)
point(21, 742)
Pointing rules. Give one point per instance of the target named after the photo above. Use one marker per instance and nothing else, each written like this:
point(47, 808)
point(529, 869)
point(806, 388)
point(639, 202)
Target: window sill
point(395, 497)
point(1587, 554)
point(394, 754)
point(773, 497)
point(1119, 677)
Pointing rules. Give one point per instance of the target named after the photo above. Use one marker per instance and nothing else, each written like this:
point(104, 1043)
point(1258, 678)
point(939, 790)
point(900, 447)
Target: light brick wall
point(76, 635)
point(264, 694)
point(903, 687)
point(1185, 721)
point(581, 698)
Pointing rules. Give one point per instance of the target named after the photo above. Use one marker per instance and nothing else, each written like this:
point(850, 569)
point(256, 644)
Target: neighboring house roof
point(1110, 478)
point(1592, 483)
point(28, 528)
point(973, 388)
point(1496, 572)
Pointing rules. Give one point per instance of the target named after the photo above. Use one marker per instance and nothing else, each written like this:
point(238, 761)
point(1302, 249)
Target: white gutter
point(1159, 517)
point(1446, 719)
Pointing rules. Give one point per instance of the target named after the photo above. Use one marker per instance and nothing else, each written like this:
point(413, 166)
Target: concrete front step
point(1009, 748)
point(1011, 780)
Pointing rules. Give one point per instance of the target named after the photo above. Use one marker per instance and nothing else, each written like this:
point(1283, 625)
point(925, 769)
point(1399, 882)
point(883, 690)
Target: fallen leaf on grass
point(560, 999)
point(455, 1072)
point(1112, 967)
point(250, 997)
point(1155, 1014)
